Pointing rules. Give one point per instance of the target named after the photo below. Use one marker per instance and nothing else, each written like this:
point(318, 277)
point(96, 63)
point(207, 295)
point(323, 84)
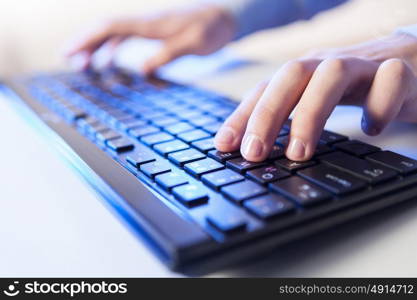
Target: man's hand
point(379, 75)
point(197, 30)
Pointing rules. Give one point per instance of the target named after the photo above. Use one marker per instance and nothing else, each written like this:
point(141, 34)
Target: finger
point(99, 34)
point(172, 48)
point(332, 79)
point(229, 136)
point(386, 96)
point(112, 47)
point(80, 61)
point(274, 107)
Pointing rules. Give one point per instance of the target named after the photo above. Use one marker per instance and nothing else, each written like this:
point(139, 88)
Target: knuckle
point(198, 40)
point(335, 65)
point(107, 24)
point(314, 53)
point(105, 27)
point(297, 66)
point(260, 86)
point(396, 67)
point(239, 116)
point(263, 113)
point(309, 116)
point(322, 53)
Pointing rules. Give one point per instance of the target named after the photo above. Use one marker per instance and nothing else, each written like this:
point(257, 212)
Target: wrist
point(407, 44)
point(410, 30)
point(221, 15)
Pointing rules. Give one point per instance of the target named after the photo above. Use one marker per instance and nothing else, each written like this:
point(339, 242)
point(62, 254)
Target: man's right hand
point(196, 30)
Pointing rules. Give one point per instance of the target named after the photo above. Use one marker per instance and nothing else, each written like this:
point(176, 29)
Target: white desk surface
point(53, 224)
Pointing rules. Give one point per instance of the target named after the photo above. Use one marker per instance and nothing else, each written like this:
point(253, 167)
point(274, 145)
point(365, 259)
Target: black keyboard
point(151, 142)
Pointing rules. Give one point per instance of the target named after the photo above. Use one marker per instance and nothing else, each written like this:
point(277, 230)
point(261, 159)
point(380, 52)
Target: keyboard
point(146, 145)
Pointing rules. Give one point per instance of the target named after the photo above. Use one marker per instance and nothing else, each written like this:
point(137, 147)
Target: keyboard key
point(93, 129)
point(287, 124)
point(322, 149)
point(156, 138)
point(170, 180)
point(221, 178)
point(282, 138)
point(155, 168)
point(187, 114)
point(222, 112)
point(119, 115)
point(179, 128)
point(268, 206)
point(243, 190)
point(300, 190)
point(208, 106)
point(73, 113)
point(212, 128)
point(131, 123)
point(357, 148)
point(202, 166)
point(172, 146)
point(204, 145)
point(182, 157)
point(223, 156)
point(227, 223)
point(292, 166)
point(241, 165)
point(202, 120)
point(194, 135)
point(329, 138)
point(150, 115)
point(371, 172)
point(335, 181)
point(120, 145)
point(141, 156)
point(142, 131)
point(116, 119)
point(400, 163)
point(267, 174)
point(277, 151)
point(191, 194)
point(107, 136)
point(164, 121)
point(284, 131)
point(85, 122)
point(178, 107)
point(282, 141)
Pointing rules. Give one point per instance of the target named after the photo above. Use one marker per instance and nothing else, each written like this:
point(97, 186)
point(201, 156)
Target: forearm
point(254, 15)
point(410, 30)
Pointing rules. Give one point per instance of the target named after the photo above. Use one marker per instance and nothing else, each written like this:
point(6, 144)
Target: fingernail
point(252, 146)
point(296, 149)
point(78, 61)
point(374, 131)
point(370, 129)
point(364, 124)
point(68, 49)
point(226, 135)
point(145, 69)
point(148, 68)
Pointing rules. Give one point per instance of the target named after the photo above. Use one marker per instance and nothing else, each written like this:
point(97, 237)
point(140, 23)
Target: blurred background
point(33, 32)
